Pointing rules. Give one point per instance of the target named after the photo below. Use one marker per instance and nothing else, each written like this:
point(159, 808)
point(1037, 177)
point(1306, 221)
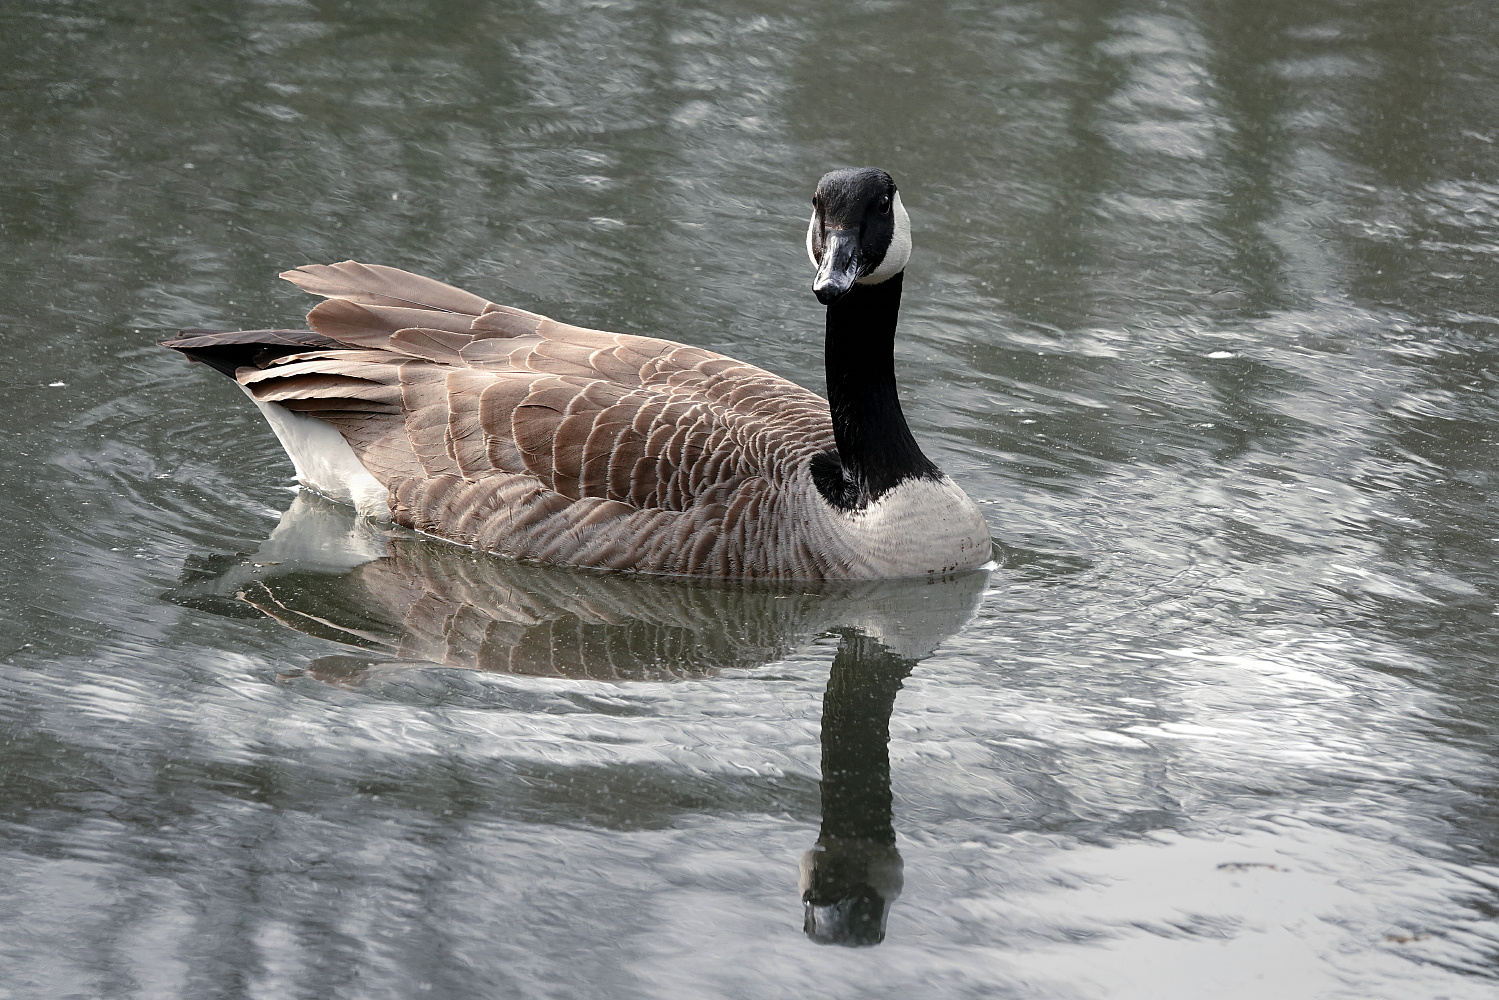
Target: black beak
point(840, 266)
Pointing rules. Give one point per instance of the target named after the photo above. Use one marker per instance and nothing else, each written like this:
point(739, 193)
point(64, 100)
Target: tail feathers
point(378, 285)
point(368, 305)
point(231, 351)
point(372, 326)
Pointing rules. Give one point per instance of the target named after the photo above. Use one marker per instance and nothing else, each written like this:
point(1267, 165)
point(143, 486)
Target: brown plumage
point(513, 433)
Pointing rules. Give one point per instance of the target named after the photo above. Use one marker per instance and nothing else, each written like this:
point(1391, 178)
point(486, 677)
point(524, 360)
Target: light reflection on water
point(1202, 310)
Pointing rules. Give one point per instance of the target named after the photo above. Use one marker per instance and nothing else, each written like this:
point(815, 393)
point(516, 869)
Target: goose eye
point(885, 204)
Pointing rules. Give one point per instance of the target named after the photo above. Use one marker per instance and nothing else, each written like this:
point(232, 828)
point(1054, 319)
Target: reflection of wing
point(464, 609)
point(416, 599)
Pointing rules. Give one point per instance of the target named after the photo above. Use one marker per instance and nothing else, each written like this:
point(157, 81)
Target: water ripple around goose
point(1202, 311)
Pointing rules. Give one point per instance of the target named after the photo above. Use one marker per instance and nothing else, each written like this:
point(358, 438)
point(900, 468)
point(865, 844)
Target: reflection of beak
point(848, 886)
point(840, 265)
point(855, 921)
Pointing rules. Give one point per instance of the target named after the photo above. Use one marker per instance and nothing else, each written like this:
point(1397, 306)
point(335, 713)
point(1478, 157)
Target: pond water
point(1203, 310)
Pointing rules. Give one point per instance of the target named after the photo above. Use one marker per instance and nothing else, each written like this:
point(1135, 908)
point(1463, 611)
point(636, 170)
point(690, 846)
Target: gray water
point(1204, 311)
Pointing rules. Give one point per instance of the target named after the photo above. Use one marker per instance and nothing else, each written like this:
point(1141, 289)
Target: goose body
point(513, 433)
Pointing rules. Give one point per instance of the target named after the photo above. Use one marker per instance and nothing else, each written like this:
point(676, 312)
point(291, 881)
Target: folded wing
point(486, 422)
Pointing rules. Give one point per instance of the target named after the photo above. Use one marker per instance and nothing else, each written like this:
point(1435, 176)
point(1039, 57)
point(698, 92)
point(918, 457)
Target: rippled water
point(1204, 310)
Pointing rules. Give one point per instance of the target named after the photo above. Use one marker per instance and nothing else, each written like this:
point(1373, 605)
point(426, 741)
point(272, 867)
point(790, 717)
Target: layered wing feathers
point(507, 430)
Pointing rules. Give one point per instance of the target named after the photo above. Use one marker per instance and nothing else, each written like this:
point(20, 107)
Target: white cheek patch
point(899, 252)
point(812, 231)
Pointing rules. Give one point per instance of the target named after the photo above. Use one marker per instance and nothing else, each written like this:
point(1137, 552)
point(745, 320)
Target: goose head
point(859, 232)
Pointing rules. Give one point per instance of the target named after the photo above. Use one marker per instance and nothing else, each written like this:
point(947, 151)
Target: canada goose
point(510, 432)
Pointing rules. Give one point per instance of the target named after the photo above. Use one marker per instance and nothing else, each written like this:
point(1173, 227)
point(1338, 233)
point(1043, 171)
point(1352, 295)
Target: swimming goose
point(513, 433)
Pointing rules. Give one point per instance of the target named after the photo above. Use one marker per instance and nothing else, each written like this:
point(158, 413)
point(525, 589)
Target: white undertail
point(324, 461)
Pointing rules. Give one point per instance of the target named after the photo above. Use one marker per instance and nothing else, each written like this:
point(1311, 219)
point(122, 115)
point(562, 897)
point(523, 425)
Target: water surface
point(1204, 310)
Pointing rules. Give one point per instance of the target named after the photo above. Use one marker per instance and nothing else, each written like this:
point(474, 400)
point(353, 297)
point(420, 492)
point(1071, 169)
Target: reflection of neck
point(856, 740)
point(875, 447)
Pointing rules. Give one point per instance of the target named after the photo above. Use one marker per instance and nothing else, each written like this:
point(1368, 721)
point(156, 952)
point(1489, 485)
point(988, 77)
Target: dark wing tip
point(227, 352)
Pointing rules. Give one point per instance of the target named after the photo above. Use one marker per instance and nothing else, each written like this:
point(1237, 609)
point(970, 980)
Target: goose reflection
point(399, 600)
point(854, 874)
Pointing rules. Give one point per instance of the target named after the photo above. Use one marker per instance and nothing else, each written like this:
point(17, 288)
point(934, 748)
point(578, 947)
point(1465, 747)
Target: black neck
point(876, 451)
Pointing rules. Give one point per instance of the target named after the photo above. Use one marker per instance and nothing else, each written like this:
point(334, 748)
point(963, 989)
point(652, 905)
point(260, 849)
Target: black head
point(859, 232)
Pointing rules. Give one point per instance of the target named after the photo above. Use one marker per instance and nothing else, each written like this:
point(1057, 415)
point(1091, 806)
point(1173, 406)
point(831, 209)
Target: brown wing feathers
point(378, 285)
point(506, 430)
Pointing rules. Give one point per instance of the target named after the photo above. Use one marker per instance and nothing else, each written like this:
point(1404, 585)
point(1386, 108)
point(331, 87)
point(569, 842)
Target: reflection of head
point(854, 874)
point(857, 919)
point(847, 889)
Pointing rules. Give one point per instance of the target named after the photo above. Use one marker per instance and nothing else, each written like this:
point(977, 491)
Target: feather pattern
point(510, 432)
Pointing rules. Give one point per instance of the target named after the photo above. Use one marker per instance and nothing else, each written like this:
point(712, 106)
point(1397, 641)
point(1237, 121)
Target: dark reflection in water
point(854, 874)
